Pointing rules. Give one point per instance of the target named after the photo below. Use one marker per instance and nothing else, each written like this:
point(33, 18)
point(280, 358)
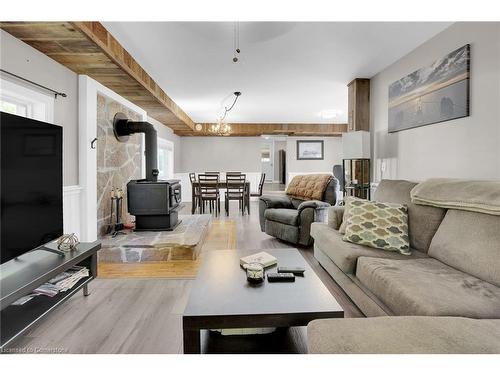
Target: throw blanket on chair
point(308, 186)
point(467, 195)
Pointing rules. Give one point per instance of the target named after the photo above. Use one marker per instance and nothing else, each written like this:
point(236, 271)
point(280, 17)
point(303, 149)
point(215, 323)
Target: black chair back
point(208, 185)
point(261, 184)
point(235, 184)
point(213, 173)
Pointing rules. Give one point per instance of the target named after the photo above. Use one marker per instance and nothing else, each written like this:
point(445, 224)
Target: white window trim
point(40, 106)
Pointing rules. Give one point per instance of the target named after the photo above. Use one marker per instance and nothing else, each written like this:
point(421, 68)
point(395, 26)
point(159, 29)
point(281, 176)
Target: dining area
point(211, 190)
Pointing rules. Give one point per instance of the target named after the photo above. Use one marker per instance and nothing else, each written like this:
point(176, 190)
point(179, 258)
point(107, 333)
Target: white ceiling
point(287, 71)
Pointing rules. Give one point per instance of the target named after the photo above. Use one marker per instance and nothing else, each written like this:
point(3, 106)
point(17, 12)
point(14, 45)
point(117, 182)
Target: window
point(165, 159)
point(25, 101)
point(10, 106)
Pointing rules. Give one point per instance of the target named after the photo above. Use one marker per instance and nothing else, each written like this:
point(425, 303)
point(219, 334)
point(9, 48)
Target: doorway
point(267, 159)
point(273, 162)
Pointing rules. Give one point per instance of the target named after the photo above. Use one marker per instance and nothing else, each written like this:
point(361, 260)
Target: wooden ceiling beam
point(96, 32)
point(258, 129)
point(88, 48)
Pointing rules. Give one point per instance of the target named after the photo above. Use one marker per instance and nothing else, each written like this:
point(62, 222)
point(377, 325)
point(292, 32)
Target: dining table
point(222, 184)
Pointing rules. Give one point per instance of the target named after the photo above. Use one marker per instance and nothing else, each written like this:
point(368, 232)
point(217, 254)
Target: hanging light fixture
point(221, 128)
point(236, 41)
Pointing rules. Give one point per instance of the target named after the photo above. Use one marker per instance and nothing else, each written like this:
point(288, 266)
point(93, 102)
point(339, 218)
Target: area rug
point(221, 235)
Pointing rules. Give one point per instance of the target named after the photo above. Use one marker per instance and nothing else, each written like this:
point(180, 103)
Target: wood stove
point(154, 203)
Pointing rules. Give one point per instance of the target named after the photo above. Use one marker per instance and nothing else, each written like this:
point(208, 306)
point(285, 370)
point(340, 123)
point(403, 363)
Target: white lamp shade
point(356, 145)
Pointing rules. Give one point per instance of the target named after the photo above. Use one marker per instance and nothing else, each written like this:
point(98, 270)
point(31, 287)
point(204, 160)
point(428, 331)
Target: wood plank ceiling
point(88, 48)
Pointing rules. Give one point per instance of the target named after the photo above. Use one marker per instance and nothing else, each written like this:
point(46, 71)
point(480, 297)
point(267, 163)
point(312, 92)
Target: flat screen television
point(31, 184)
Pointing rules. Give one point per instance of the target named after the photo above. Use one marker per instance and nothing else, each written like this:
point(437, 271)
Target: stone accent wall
point(117, 163)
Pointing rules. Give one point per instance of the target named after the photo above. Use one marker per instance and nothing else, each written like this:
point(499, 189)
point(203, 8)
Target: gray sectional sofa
point(454, 271)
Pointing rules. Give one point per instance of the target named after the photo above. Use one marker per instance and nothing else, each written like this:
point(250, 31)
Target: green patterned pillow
point(347, 212)
point(379, 225)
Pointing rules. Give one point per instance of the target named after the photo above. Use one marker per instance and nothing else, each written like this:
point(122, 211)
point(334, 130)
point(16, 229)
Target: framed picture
point(435, 93)
point(310, 150)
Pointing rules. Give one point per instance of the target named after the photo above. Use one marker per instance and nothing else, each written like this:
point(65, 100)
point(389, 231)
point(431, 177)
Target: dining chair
point(196, 192)
point(208, 186)
point(235, 190)
point(261, 186)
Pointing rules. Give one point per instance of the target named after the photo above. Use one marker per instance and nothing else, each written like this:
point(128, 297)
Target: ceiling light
point(328, 114)
point(222, 128)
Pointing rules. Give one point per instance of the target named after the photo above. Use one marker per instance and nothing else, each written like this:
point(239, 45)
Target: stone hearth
point(183, 243)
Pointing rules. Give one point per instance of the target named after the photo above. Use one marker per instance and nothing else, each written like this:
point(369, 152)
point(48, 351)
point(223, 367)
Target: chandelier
point(222, 128)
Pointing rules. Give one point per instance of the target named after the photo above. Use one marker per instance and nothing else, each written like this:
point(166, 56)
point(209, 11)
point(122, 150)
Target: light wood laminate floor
point(145, 315)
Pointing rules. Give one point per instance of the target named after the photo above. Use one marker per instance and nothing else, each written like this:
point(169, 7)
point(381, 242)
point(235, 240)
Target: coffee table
point(221, 297)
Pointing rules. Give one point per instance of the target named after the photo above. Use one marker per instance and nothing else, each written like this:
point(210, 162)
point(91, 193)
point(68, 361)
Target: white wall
point(19, 58)
point(168, 134)
point(200, 154)
point(332, 150)
point(462, 148)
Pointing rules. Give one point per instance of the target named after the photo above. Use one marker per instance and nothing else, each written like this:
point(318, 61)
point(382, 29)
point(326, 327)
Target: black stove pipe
point(123, 128)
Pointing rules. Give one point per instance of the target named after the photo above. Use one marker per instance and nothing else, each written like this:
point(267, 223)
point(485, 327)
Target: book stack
point(262, 258)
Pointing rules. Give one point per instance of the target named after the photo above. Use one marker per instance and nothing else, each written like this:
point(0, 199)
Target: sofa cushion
point(428, 287)
point(470, 242)
point(283, 215)
point(379, 225)
point(345, 254)
point(423, 221)
point(404, 335)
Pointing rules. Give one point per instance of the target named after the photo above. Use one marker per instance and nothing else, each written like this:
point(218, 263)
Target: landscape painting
point(436, 93)
point(310, 150)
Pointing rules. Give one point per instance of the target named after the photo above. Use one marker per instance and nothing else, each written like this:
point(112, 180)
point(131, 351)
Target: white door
point(267, 159)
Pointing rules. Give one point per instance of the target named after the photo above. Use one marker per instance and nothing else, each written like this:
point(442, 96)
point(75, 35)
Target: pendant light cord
point(236, 41)
point(226, 110)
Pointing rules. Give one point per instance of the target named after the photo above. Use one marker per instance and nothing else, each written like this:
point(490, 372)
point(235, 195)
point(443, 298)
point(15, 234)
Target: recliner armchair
point(290, 219)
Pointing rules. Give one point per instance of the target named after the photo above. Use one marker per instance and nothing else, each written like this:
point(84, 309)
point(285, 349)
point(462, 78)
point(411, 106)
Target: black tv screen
point(31, 184)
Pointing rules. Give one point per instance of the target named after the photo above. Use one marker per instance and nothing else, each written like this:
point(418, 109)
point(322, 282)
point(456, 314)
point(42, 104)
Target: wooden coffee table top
point(221, 288)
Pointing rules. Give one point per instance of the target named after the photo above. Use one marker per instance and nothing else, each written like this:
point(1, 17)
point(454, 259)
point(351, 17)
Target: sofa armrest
point(335, 216)
point(309, 212)
point(312, 204)
point(276, 201)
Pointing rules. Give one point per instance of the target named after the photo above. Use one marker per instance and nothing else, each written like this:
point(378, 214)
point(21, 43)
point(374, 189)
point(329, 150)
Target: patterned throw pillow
point(347, 212)
point(379, 225)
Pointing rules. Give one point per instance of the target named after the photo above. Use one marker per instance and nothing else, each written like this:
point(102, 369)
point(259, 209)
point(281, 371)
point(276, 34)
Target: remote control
point(277, 277)
point(295, 270)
